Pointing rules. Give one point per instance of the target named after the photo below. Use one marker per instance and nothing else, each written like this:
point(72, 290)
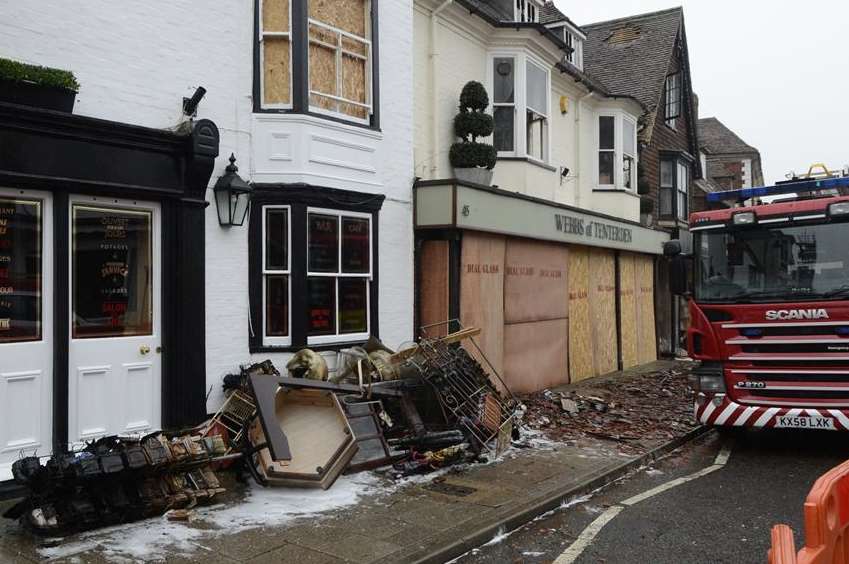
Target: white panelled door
point(115, 365)
point(26, 326)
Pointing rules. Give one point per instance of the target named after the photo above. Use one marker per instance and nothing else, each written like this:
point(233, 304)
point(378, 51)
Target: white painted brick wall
point(136, 60)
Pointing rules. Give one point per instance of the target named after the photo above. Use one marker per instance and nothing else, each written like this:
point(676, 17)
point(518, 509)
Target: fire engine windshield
point(806, 262)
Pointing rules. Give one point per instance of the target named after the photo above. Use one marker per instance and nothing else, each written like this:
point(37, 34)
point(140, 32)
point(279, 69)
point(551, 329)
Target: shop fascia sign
point(498, 213)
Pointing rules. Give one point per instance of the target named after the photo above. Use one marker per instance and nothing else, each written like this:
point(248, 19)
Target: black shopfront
point(102, 285)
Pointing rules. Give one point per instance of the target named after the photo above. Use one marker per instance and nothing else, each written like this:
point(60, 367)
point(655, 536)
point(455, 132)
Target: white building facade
point(550, 261)
point(313, 99)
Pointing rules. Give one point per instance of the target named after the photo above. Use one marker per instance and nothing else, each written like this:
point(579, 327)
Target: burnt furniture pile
point(426, 407)
point(115, 480)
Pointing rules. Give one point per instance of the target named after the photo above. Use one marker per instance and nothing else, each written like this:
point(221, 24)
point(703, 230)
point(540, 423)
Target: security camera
point(564, 171)
point(190, 105)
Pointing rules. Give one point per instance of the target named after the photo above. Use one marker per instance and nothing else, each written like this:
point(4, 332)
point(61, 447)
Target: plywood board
point(580, 325)
point(433, 289)
point(535, 285)
point(628, 309)
point(347, 15)
point(482, 293)
point(275, 15)
point(647, 342)
point(602, 268)
point(276, 75)
point(535, 355)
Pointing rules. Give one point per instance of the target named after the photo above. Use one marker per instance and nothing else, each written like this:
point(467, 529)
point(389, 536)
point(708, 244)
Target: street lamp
point(232, 196)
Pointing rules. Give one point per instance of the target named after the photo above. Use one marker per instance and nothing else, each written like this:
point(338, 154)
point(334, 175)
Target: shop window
point(673, 99)
point(276, 274)
point(315, 282)
point(339, 269)
point(338, 52)
point(20, 270)
point(504, 103)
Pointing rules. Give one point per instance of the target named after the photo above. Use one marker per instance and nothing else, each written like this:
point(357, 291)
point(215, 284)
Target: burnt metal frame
point(299, 197)
point(300, 67)
point(104, 158)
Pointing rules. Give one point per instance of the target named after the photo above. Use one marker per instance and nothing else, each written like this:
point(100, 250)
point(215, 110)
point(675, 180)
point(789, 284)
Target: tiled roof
point(631, 55)
point(551, 14)
point(717, 139)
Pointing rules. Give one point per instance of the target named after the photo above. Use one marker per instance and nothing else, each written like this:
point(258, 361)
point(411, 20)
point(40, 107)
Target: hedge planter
point(472, 160)
point(30, 94)
point(474, 175)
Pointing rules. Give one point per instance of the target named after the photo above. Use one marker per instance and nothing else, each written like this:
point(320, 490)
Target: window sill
point(618, 191)
point(254, 349)
point(530, 161)
point(318, 117)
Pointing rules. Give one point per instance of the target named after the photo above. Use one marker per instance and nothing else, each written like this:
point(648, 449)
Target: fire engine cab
point(768, 289)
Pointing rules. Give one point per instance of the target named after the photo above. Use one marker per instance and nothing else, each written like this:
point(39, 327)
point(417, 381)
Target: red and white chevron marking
point(733, 414)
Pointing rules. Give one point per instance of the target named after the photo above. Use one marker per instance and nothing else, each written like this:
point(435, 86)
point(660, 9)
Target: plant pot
point(474, 175)
point(36, 95)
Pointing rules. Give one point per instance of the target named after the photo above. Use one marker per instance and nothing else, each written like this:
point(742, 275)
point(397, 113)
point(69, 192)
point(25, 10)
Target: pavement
point(366, 518)
point(724, 516)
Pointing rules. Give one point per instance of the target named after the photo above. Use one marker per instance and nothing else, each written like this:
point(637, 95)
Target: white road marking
point(593, 529)
point(586, 538)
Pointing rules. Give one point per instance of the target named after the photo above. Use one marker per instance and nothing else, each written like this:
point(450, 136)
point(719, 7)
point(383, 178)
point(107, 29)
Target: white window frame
point(520, 95)
point(674, 77)
point(546, 125)
point(634, 157)
point(619, 119)
point(526, 11)
point(369, 277)
point(682, 168)
point(262, 34)
point(340, 53)
point(267, 340)
point(617, 150)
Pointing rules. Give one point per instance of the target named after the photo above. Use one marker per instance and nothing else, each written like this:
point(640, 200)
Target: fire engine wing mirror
point(679, 275)
point(672, 248)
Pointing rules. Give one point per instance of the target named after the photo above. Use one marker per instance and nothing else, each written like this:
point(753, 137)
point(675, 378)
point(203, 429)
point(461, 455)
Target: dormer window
point(576, 44)
point(527, 11)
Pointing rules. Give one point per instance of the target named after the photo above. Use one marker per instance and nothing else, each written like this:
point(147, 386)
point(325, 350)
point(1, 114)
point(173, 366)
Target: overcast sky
point(776, 72)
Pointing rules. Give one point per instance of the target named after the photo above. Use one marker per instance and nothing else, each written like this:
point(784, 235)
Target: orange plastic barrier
point(826, 524)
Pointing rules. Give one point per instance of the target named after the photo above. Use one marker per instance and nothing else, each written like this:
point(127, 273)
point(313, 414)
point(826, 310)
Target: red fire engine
point(769, 305)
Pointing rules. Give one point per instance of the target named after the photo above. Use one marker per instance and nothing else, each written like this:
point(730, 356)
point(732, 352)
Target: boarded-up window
point(276, 53)
point(340, 57)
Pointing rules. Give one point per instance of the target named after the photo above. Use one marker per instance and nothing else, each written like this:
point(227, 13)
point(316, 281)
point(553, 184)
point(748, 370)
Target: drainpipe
point(578, 145)
point(434, 80)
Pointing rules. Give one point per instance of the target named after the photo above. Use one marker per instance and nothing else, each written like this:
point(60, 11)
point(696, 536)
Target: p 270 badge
point(751, 385)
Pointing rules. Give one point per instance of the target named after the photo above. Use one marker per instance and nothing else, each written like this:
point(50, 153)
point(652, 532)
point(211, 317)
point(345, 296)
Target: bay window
point(520, 90)
point(682, 190)
point(616, 136)
point(313, 268)
point(329, 44)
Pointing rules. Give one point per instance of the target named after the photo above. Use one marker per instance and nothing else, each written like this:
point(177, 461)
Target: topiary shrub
point(471, 123)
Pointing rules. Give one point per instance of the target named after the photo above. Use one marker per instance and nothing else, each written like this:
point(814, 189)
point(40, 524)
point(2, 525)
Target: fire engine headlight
point(744, 218)
point(838, 209)
point(711, 383)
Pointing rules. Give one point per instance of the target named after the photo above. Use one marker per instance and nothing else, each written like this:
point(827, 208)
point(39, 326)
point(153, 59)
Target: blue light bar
point(788, 188)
